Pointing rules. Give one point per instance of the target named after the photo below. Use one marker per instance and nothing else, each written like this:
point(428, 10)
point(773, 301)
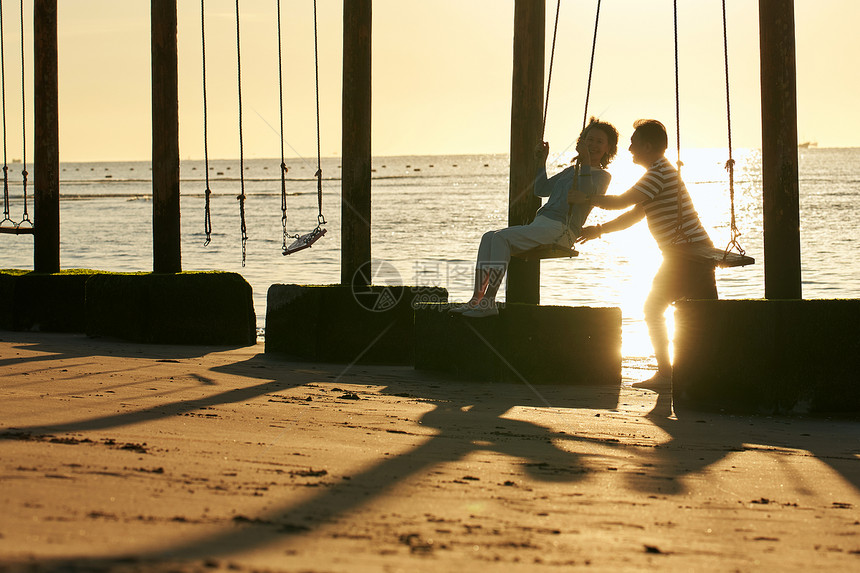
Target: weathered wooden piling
point(356, 168)
point(781, 215)
point(46, 160)
point(526, 119)
point(166, 247)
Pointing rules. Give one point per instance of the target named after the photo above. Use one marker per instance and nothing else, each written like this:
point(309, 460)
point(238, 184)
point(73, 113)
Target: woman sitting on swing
point(596, 147)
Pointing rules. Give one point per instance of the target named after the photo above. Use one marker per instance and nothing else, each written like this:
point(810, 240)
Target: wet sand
point(123, 457)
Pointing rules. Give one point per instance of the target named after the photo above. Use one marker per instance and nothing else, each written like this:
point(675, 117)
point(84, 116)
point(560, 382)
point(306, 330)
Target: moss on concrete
point(768, 356)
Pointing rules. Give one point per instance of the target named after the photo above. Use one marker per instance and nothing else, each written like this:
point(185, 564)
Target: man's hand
point(589, 233)
point(542, 151)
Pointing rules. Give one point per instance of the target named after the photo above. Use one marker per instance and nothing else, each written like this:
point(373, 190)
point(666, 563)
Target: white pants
point(497, 247)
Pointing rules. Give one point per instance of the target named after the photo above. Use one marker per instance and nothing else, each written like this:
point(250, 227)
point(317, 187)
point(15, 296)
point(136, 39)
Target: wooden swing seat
point(548, 252)
point(17, 230)
point(718, 257)
point(305, 241)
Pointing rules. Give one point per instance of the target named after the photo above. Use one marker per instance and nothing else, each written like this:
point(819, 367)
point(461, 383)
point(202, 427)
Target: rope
point(677, 95)
point(26, 217)
point(549, 75)
point(587, 96)
point(730, 164)
point(241, 197)
point(320, 219)
point(281, 109)
point(207, 214)
point(591, 65)
point(3, 88)
point(679, 232)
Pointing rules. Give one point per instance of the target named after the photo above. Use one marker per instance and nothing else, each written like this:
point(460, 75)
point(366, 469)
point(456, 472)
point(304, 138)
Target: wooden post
point(46, 161)
point(355, 182)
point(526, 116)
point(779, 150)
point(166, 248)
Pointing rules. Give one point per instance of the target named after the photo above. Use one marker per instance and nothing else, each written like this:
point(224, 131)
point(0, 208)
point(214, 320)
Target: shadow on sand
point(471, 422)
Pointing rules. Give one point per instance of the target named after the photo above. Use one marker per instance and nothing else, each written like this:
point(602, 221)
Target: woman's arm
point(542, 188)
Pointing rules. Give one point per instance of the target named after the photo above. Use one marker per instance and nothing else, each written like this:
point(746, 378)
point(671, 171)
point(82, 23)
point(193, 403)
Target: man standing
point(661, 197)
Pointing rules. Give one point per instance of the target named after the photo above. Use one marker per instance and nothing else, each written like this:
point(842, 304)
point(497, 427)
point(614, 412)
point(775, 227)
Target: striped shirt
point(662, 185)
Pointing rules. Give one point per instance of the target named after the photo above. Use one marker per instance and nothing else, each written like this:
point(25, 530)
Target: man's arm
point(610, 202)
point(619, 223)
point(614, 202)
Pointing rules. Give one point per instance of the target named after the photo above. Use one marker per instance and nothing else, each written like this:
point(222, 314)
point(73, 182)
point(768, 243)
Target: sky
point(441, 75)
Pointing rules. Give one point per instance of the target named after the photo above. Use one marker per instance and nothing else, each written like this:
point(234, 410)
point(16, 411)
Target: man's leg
point(676, 279)
point(655, 310)
point(659, 299)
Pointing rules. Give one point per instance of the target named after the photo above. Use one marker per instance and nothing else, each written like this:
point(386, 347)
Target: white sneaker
point(461, 308)
point(482, 312)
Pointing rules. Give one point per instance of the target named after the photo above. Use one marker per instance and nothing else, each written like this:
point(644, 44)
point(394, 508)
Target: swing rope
point(591, 64)
point(281, 110)
point(699, 252)
point(677, 102)
point(307, 240)
point(207, 214)
point(679, 231)
point(3, 89)
point(558, 250)
point(320, 219)
point(241, 196)
point(26, 216)
point(16, 227)
point(549, 74)
point(730, 164)
point(552, 59)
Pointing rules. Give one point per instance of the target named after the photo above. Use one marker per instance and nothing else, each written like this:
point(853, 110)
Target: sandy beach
point(122, 457)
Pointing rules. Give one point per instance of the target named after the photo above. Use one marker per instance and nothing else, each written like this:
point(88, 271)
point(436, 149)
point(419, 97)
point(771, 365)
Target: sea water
point(429, 213)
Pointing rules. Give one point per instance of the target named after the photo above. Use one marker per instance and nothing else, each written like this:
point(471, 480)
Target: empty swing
point(733, 255)
point(561, 250)
point(7, 225)
point(207, 215)
point(300, 242)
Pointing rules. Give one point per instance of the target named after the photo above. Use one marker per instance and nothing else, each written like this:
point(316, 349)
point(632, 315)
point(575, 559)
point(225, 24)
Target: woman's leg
point(481, 268)
point(512, 240)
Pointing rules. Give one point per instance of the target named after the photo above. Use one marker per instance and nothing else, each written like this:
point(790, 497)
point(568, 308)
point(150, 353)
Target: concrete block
point(184, 308)
point(344, 323)
point(525, 343)
point(47, 302)
point(768, 356)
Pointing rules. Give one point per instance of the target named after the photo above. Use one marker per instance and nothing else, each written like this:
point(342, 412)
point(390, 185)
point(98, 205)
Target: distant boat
point(807, 144)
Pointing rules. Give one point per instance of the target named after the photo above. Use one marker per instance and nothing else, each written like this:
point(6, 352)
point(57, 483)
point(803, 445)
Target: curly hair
point(611, 137)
